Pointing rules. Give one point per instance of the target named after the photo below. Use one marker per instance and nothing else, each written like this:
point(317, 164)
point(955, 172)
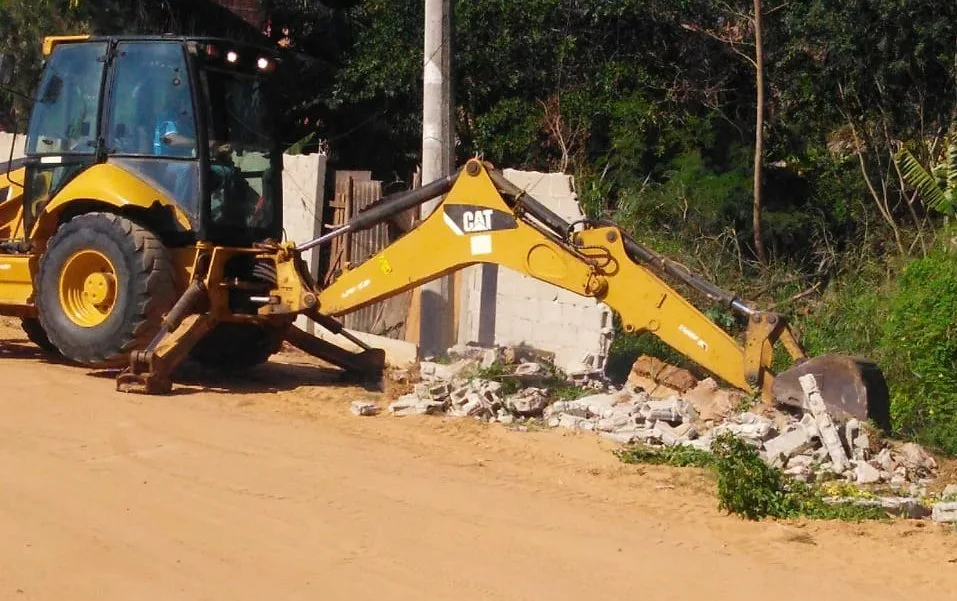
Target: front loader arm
point(475, 224)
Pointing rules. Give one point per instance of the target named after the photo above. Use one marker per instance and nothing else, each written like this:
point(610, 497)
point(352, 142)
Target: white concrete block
point(303, 186)
point(7, 143)
point(517, 285)
point(398, 353)
point(572, 299)
point(549, 311)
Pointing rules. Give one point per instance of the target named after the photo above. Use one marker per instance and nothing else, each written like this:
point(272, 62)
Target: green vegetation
point(937, 183)
point(749, 487)
point(919, 343)
point(904, 321)
point(677, 456)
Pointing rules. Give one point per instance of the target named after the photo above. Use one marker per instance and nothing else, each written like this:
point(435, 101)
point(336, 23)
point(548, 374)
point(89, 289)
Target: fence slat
point(356, 191)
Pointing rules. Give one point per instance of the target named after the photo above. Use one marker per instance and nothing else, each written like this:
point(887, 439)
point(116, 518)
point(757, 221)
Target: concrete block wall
point(504, 307)
point(7, 141)
point(303, 188)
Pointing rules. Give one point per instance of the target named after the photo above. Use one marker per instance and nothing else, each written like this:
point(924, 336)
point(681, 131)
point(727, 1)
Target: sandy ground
point(274, 491)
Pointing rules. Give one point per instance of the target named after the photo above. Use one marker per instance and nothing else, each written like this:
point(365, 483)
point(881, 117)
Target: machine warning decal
point(471, 219)
point(360, 286)
point(690, 334)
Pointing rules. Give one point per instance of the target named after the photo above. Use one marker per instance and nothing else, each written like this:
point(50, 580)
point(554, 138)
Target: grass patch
point(747, 486)
point(677, 456)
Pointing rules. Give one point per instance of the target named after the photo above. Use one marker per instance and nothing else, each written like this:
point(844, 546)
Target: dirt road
point(279, 493)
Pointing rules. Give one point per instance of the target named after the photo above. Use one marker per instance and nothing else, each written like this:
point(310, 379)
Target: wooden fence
point(354, 191)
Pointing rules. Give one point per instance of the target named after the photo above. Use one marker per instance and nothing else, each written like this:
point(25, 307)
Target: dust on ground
point(267, 487)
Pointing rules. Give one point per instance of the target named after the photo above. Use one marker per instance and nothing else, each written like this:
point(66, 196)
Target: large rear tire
point(103, 286)
point(37, 335)
point(233, 346)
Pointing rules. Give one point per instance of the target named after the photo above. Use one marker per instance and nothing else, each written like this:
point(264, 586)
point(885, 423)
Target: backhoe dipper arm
point(475, 224)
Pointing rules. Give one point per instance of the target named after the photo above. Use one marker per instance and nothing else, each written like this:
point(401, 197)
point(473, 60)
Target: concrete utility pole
point(435, 321)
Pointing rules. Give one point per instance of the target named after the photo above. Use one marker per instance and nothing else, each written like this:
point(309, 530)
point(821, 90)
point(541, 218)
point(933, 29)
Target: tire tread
point(152, 297)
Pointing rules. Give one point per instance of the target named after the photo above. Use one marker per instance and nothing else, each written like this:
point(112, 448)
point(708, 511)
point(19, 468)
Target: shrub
point(850, 318)
point(920, 346)
point(747, 486)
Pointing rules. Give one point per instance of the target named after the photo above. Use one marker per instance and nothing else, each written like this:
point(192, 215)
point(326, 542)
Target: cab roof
point(50, 42)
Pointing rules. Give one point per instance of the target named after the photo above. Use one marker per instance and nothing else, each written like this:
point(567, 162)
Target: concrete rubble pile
point(663, 406)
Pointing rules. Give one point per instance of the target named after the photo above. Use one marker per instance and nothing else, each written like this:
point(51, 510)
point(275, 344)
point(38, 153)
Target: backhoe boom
point(487, 219)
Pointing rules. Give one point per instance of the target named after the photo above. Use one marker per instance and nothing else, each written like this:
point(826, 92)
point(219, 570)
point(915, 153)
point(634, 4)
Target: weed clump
point(677, 456)
point(747, 486)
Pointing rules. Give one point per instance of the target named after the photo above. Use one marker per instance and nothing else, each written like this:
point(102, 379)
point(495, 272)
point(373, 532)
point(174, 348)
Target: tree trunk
point(758, 135)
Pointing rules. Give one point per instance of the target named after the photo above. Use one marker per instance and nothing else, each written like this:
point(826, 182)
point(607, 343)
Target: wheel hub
point(88, 288)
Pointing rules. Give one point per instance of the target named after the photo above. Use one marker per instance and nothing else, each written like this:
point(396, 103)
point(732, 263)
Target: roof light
point(231, 56)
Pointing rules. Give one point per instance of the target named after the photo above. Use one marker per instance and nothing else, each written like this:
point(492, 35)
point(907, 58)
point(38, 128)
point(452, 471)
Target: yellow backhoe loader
point(144, 223)
point(144, 226)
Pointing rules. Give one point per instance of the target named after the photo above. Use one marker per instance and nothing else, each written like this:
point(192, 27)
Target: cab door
point(63, 137)
point(151, 99)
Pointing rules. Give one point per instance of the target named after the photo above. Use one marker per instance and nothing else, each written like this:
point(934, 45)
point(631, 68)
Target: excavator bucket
point(850, 386)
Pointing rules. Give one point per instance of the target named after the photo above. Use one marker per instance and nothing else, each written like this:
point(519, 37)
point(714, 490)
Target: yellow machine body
point(144, 223)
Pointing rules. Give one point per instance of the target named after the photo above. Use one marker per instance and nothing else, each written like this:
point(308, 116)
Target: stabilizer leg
point(369, 363)
point(149, 370)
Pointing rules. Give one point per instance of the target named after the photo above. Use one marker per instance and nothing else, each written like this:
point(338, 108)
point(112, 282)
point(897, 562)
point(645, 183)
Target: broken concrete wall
point(304, 204)
point(504, 307)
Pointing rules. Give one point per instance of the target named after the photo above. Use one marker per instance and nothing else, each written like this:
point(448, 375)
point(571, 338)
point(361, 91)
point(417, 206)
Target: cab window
point(152, 110)
point(65, 116)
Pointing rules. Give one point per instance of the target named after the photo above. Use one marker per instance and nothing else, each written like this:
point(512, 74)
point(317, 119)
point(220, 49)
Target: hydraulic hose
point(551, 220)
point(637, 252)
point(642, 254)
point(387, 207)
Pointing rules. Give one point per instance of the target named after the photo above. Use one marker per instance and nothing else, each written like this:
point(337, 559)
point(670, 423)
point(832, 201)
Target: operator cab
point(191, 117)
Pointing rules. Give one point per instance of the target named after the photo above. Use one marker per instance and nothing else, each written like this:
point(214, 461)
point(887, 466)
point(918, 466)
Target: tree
point(758, 133)
point(731, 30)
point(861, 89)
point(24, 24)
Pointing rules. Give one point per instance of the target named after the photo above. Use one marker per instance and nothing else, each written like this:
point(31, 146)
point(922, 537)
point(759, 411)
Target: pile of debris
point(665, 406)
